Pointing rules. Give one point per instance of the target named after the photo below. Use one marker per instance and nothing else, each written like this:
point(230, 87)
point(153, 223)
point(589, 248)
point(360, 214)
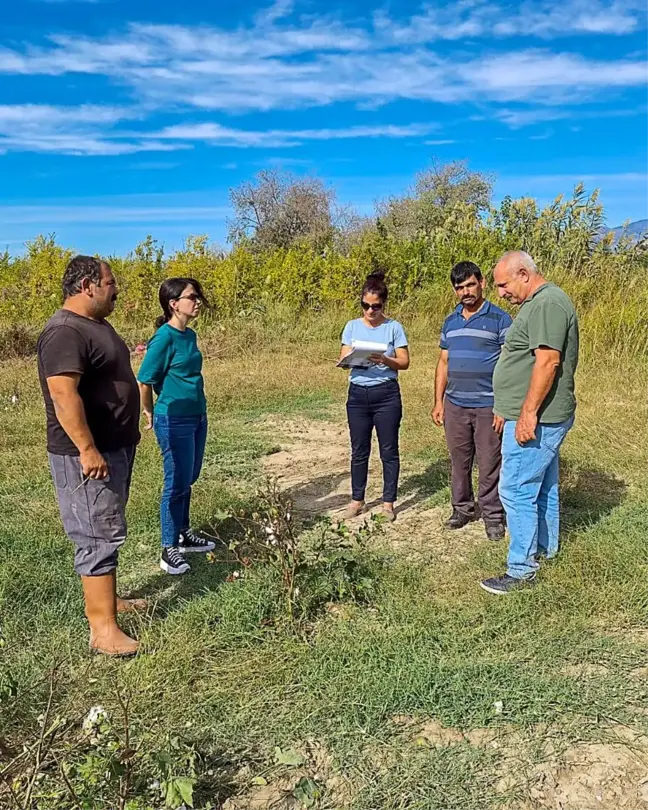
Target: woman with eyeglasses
point(374, 399)
point(172, 367)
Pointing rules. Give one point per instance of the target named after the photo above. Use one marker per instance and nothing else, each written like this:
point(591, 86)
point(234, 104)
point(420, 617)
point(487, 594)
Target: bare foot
point(354, 509)
point(112, 641)
point(130, 605)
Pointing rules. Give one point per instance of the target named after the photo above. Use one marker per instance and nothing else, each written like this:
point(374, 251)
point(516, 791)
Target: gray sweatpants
point(94, 512)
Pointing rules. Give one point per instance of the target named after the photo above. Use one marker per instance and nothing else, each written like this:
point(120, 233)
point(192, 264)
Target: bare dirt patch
point(280, 790)
point(585, 670)
point(313, 466)
point(608, 777)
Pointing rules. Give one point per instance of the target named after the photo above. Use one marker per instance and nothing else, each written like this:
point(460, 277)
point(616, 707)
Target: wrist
point(527, 410)
point(87, 448)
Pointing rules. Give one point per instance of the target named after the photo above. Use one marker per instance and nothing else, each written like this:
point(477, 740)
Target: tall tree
point(277, 210)
point(437, 192)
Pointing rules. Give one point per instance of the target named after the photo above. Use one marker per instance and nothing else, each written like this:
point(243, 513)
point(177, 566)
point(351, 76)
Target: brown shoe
point(388, 514)
point(354, 509)
point(101, 609)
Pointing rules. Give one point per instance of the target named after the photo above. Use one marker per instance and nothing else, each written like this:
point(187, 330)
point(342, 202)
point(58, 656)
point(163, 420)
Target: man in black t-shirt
point(92, 406)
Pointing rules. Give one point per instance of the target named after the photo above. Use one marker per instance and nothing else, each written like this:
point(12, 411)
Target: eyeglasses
point(372, 307)
point(191, 297)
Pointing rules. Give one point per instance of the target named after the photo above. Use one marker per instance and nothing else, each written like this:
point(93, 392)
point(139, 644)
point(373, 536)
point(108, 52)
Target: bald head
point(515, 259)
point(516, 276)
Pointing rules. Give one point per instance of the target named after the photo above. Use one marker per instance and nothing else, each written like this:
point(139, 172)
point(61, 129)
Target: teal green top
point(173, 366)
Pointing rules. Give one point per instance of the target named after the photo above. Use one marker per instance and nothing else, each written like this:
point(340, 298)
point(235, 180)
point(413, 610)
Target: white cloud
point(217, 134)
point(471, 20)
point(38, 115)
point(520, 74)
point(516, 118)
point(282, 61)
point(82, 145)
point(83, 130)
point(92, 130)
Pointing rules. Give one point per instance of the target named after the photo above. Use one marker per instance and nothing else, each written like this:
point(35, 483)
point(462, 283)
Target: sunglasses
point(191, 297)
point(372, 307)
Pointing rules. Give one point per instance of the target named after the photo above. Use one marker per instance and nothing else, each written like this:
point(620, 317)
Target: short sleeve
point(156, 360)
point(400, 339)
point(347, 334)
point(62, 350)
point(504, 325)
point(548, 324)
point(443, 340)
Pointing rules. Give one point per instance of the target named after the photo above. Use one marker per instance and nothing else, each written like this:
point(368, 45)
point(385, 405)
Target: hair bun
point(378, 275)
point(160, 321)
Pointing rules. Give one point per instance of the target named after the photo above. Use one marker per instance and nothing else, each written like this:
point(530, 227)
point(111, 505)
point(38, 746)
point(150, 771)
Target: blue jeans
point(528, 490)
point(182, 441)
point(369, 407)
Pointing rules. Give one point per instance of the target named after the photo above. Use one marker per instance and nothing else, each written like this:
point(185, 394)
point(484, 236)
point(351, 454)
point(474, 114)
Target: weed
point(327, 563)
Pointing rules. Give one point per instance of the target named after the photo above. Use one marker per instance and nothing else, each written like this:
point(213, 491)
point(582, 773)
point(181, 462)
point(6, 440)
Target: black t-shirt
point(72, 344)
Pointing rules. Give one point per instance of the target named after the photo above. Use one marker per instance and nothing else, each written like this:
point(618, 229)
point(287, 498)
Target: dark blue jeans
point(369, 407)
point(182, 441)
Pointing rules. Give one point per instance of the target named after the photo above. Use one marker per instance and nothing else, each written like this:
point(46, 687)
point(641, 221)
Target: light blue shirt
point(389, 332)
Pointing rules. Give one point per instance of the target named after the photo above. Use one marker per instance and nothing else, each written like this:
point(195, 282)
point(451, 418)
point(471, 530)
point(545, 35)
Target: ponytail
point(171, 290)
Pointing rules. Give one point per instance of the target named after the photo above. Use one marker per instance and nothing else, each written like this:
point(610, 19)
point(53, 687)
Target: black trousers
point(369, 407)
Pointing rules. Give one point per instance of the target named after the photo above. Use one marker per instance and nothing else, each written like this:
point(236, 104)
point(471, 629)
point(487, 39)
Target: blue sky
point(120, 118)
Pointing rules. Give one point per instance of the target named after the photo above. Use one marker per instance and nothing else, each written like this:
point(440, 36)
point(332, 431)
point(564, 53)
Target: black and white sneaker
point(500, 586)
point(173, 562)
point(189, 542)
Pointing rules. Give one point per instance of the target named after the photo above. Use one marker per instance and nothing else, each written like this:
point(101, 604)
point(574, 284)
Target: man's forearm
point(71, 414)
point(542, 378)
point(440, 382)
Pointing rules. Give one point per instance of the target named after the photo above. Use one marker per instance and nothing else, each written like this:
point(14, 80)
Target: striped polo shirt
point(474, 346)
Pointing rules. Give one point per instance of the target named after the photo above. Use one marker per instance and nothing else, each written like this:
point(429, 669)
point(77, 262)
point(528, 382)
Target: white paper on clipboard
point(358, 357)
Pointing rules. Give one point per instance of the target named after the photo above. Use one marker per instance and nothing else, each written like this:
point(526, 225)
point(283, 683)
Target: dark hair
point(463, 271)
point(375, 283)
point(79, 268)
point(171, 290)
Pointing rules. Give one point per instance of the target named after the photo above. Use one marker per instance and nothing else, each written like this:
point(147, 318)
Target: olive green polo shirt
point(546, 319)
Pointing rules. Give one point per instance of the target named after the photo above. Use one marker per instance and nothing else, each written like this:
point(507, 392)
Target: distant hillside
point(635, 229)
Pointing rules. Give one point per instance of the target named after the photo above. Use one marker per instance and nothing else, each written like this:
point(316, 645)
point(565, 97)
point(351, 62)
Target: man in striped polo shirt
point(471, 342)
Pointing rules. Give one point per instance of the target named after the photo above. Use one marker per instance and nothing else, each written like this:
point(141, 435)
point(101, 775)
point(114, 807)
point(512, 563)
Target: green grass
point(223, 678)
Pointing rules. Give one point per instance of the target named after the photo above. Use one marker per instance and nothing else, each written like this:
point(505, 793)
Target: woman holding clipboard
point(374, 394)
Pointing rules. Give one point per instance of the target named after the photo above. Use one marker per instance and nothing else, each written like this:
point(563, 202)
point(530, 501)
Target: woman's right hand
point(148, 415)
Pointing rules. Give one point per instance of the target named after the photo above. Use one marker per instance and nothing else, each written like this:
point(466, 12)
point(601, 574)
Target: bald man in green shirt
point(533, 385)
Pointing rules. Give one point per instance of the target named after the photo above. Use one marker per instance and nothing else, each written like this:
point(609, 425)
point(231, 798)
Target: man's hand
point(498, 424)
point(438, 414)
point(525, 428)
point(148, 415)
point(93, 464)
point(378, 359)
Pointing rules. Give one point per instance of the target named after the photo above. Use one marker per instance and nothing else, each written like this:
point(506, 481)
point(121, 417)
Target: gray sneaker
point(500, 586)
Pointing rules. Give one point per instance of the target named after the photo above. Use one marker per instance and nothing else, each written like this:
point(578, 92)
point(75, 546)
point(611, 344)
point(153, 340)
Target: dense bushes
point(606, 281)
